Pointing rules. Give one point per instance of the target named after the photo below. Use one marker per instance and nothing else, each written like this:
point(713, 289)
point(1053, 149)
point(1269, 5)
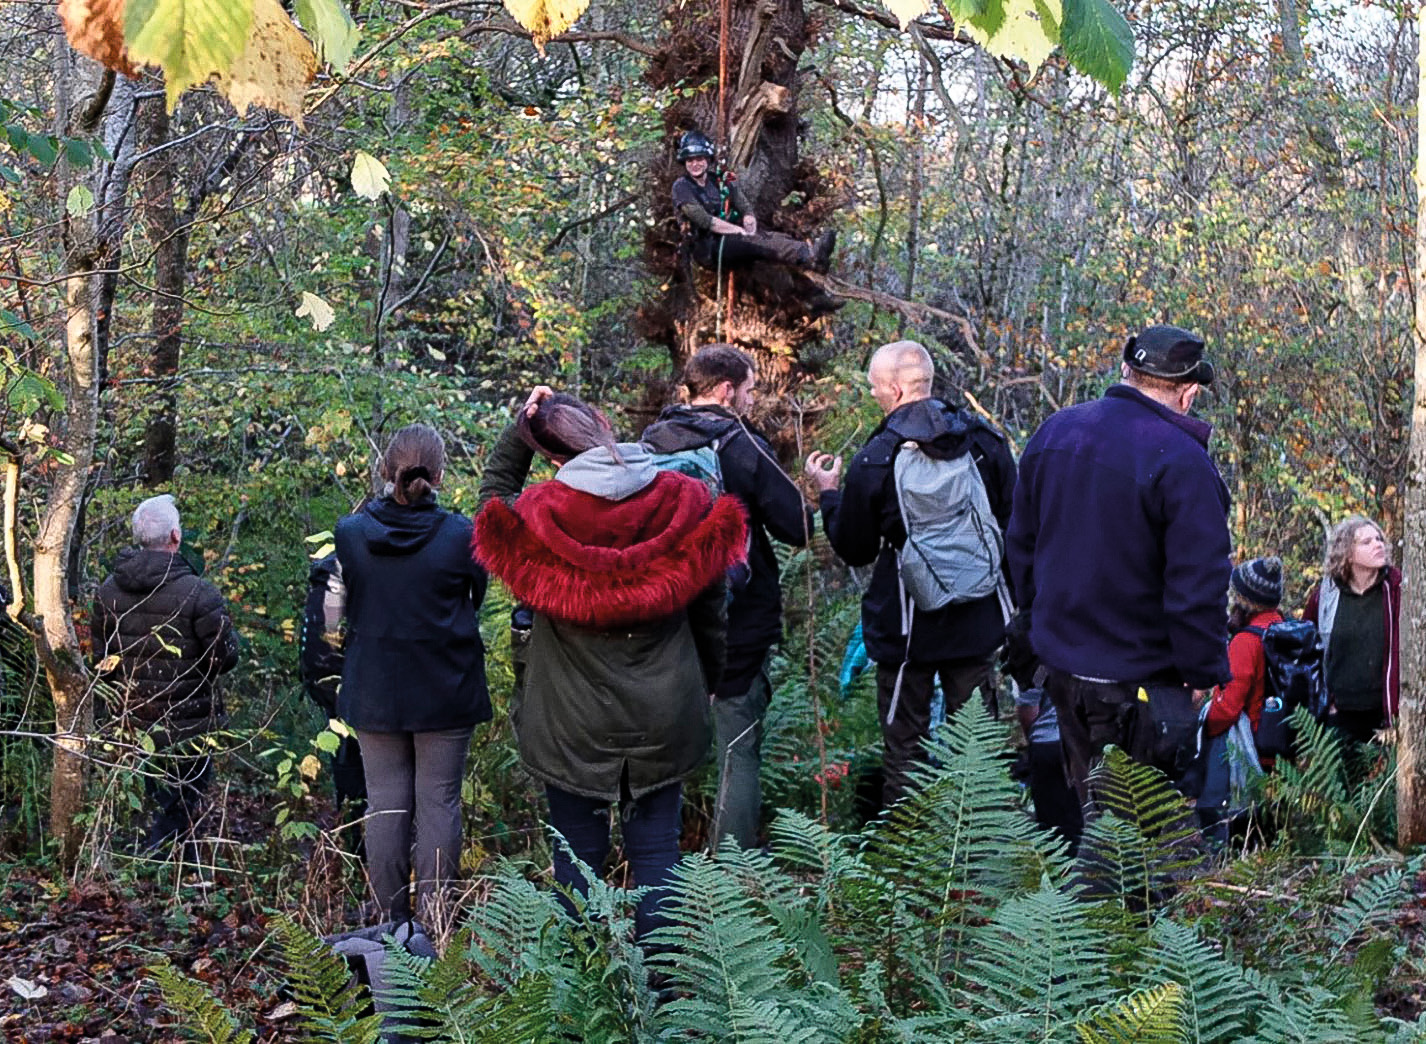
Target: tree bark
point(169, 240)
point(1411, 725)
point(767, 312)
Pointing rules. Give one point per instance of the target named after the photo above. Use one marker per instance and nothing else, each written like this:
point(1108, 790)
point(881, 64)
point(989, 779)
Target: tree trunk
point(1411, 726)
point(170, 244)
point(766, 313)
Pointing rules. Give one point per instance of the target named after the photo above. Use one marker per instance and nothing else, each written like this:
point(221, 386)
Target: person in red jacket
point(1357, 610)
point(1255, 593)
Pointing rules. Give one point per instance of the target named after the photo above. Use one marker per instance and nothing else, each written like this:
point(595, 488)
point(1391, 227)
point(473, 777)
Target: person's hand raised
point(824, 470)
point(538, 394)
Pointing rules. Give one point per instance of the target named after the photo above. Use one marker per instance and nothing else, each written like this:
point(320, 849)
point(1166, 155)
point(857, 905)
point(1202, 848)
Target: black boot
point(822, 248)
point(820, 304)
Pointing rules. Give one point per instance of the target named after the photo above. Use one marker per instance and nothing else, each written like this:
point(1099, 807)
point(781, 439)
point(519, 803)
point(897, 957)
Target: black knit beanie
point(1259, 580)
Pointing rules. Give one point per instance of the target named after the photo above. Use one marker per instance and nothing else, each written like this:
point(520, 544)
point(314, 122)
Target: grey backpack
point(953, 544)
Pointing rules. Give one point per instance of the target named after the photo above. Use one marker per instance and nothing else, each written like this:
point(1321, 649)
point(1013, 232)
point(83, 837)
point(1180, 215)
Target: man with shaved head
point(912, 638)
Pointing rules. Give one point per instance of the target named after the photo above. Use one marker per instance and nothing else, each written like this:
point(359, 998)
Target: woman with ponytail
point(413, 684)
point(625, 568)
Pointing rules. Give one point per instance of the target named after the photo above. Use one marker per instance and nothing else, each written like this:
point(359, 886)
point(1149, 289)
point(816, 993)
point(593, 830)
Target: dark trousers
point(413, 782)
point(904, 736)
point(738, 712)
point(176, 796)
point(650, 826)
point(1358, 725)
point(1092, 715)
point(765, 246)
point(1057, 805)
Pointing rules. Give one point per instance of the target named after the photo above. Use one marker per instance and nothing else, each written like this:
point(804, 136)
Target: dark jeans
point(176, 796)
point(765, 246)
point(1057, 804)
point(650, 827)
point(413, 782)
point(904, 737)
point(738, 732)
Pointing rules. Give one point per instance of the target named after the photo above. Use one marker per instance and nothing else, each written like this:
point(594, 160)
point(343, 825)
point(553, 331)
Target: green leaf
point(19, 137)
point(332, 27)
point(965, 10)
point(10, 174)
point(191, 40)
point(28, 392)
point(79, 201)
point(43, 149)
point(78, 153)
point(1097, 41)
point(990, 17)
point(10, 321)
point(328, 741)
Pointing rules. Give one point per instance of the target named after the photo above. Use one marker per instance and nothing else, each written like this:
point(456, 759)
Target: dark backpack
point(321, 665)
point(1294, 679)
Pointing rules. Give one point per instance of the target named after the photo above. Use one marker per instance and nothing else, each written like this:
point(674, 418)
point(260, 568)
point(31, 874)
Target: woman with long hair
point(624, 565)
point(413, 681)
point(1357, 610)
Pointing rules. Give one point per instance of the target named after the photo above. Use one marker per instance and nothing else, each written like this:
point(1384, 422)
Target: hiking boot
point(822, 248)
point(821, 304)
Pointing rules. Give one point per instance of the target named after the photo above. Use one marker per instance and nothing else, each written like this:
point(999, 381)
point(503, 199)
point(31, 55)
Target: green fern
point(1036, 965)
point(957, 846)
point(1219, 997)
point(1142, 843)
point(1150, 1016)
point(331, 1005)
point(204, 1017)
point(1309, 1016)
point(1374, 900)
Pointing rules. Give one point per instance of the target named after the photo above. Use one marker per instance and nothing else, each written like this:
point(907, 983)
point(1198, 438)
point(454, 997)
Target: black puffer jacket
point(776, 511)
point(863, 523)
point(414, 658)
point(162, 636)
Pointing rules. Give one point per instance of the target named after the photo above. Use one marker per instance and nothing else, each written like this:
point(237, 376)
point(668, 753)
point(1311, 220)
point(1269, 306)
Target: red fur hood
point(610, 563)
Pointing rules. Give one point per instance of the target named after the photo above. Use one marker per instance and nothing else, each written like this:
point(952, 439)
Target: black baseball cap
point(1169, 352)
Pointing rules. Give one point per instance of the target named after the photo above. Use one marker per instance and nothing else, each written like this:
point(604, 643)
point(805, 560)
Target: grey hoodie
point(596, 471)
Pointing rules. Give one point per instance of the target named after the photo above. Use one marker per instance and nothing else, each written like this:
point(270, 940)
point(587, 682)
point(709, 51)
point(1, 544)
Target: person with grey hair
point(162, 636)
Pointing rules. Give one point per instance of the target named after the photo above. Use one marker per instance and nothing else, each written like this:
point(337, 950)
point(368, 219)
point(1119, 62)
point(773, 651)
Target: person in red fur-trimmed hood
point(625, 567)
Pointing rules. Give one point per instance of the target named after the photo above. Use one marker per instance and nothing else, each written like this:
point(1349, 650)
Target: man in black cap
point(1119, 553)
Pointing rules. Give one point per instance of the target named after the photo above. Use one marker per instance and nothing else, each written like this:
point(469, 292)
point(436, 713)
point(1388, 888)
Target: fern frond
point(1373, 900)
point(1040, 959)
point(1144, 840)
point(1310, 1016)
point(958, 845)
point(512, 933)
point(807, 844)
point(1150, 1016)
point(432, 999)
point(1219, 997)
point(204, 1016)
point(331, 1004)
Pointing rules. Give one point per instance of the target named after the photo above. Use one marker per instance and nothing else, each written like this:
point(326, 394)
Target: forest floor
point(74, 955)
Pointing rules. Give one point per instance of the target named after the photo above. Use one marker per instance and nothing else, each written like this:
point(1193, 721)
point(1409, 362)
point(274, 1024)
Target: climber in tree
point(722, 221)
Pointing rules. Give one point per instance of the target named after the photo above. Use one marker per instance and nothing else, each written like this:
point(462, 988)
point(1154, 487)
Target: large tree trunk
point(1411, 728)
point(766, 311)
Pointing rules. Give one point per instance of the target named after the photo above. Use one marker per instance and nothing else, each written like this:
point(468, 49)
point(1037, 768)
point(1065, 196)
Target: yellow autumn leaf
point(545, 18)
point(274, 68)
point(370, 177)
point(1024, 34)
point(907, 11)
point(314, 308)
point(190, 40)
point(310, 767)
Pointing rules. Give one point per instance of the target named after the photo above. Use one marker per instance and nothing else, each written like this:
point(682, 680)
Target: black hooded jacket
point(414, 660)
point(863, 523)
point(776, 511)
point(162, 635)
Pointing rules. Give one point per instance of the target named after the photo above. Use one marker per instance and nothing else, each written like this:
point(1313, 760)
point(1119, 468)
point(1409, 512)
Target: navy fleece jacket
point(1118, 543)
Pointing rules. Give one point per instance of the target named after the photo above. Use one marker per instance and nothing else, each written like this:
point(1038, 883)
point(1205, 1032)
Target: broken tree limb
point(916, 311)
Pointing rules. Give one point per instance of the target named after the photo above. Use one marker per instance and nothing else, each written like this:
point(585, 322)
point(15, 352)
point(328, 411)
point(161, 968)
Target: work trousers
point(413, 783)
point(650, 827)
point(738, 733)
point(904, 736)
point(765, 246)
